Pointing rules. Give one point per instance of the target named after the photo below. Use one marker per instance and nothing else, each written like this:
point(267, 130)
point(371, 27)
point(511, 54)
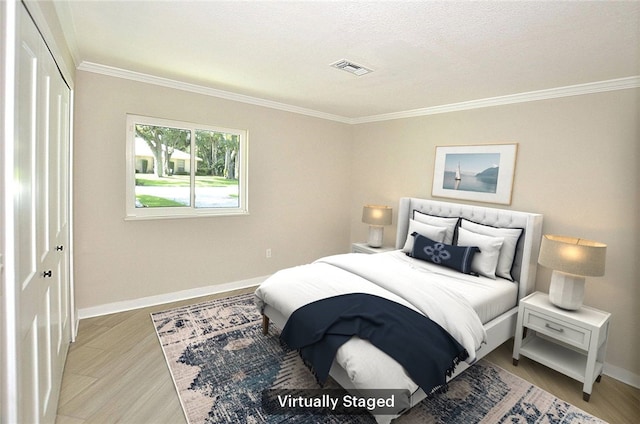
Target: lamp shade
point(573, 255)
point(376, 215)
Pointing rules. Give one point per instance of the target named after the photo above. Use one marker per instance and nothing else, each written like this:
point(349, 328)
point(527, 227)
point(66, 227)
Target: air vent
point(351, 67)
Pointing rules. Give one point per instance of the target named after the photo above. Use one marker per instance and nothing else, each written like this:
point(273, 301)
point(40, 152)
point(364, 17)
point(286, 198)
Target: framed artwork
point(482, 172)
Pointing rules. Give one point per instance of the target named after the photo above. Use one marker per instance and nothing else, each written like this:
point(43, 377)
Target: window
point(180, 169)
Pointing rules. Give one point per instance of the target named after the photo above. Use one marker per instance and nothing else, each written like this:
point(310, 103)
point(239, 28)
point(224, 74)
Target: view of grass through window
point(177, 167)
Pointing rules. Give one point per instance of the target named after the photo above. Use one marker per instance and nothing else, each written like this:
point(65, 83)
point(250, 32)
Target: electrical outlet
point(268, 253)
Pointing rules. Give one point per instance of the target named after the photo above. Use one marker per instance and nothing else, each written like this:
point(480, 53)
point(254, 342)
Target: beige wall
point(577, 164)
point(299, 171)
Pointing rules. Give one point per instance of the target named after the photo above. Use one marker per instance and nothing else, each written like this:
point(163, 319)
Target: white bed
point(493, 301)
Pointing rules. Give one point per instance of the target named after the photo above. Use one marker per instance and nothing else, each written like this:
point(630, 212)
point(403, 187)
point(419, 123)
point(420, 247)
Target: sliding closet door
point(42, 227)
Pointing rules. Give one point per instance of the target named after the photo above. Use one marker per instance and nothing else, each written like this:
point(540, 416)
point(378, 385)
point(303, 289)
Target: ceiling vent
point(351, 67)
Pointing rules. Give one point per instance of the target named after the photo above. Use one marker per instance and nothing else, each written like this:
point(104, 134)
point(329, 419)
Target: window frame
point(135, 213)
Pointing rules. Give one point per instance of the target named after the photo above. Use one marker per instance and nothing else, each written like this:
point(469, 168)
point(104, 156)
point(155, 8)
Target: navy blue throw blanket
point(421, 346)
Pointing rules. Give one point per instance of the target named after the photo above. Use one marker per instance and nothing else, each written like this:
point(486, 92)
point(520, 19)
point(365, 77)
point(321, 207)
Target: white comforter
point(385, 275)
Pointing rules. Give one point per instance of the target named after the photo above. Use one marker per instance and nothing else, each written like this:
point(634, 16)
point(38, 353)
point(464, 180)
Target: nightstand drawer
point(561, 331)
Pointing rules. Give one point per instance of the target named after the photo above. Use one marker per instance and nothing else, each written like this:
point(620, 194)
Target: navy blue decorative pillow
point(456, 257)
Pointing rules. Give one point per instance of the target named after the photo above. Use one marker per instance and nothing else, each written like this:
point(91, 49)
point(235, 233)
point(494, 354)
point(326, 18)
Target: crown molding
point(531, 96)
point(207, 91)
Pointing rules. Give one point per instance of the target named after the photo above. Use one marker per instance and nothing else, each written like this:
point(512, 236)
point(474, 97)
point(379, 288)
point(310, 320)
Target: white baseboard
point(622, 374)
point(143, 302)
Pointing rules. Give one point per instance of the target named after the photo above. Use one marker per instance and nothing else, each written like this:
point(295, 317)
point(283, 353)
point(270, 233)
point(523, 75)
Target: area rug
point(221, 362)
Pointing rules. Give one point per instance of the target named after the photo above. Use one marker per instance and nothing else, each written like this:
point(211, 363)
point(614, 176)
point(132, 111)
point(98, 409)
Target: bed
point(474, 300)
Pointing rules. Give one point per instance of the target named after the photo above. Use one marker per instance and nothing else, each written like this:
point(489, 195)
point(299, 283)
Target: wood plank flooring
point(116, 373)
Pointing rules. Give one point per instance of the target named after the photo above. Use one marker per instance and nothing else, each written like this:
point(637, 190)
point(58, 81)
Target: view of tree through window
point(162, 178)
point(218, 168)
point(190, 166)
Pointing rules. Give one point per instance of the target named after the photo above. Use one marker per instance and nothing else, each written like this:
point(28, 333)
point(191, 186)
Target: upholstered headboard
point(525, 263)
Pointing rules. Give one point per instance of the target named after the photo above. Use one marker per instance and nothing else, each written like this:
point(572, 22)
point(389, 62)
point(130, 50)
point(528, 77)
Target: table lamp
point(571, 259)
point(377, 217)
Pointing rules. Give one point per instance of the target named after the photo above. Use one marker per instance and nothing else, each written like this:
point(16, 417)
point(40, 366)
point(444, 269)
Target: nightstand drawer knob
point(551, 327)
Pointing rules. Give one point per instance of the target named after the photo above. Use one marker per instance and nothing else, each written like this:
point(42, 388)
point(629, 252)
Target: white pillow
point(485, 262)
point(430, 231)
point(438, 221)
point(508, 250)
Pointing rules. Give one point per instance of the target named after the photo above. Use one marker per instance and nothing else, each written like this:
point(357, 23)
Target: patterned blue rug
point(221, 363)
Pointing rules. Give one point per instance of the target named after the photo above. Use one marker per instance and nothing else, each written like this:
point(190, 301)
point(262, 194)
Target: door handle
point(47, 274)
point(60, 248)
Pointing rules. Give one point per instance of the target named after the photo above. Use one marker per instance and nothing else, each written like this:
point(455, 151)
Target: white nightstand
point(570, 342)
point(365, 248)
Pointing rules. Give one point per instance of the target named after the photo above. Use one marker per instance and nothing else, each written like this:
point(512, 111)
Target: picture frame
point(482, 172)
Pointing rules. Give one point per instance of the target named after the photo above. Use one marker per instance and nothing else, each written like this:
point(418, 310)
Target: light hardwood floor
point(116, 373)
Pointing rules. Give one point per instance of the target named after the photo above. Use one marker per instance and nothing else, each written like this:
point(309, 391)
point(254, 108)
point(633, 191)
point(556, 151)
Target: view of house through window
point(185, 169)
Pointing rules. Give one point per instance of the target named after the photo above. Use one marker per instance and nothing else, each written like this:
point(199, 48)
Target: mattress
point(489, 298)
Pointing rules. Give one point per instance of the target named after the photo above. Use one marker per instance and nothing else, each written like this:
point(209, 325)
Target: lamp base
point(376, 233)
point(566, 290)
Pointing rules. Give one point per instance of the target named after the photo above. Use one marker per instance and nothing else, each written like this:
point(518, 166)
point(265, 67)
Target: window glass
point(218, 173)
point(178, 169)
point(159, 183)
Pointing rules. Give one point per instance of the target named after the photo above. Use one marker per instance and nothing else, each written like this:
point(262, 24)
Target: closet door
point(41, 213)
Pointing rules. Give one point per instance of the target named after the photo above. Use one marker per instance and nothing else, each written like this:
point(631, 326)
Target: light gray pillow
point(485, 262)
point(438, 221)
point(429, 231)
point(507, 252)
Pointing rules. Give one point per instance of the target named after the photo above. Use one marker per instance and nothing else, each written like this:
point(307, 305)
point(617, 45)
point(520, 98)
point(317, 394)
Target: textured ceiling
point(423, 54)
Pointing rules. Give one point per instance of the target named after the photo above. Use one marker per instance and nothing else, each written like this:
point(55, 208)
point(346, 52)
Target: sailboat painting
point(482, 172)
